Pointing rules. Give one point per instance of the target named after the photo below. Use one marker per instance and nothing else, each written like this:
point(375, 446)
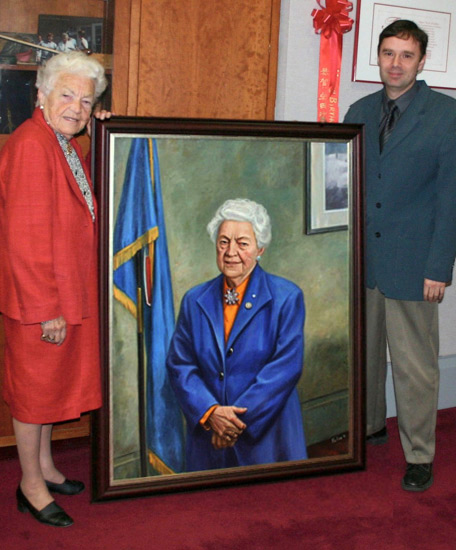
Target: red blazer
point(48, 264)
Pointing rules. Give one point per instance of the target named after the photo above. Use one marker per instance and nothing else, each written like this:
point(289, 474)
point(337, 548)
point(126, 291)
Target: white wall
point(299, 49)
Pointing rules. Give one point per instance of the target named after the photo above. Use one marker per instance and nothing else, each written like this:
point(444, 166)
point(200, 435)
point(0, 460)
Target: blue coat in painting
point(257, 368)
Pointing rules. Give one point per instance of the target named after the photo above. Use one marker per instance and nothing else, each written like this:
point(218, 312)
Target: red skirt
point(45, 383)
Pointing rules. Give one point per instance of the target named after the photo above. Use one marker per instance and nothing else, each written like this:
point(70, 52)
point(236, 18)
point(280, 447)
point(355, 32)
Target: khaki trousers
point(412, 332)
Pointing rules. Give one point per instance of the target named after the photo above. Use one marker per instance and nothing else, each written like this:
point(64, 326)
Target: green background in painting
point(197, 175)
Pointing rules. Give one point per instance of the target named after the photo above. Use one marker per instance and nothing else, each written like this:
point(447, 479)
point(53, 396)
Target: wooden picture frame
point(199, 164)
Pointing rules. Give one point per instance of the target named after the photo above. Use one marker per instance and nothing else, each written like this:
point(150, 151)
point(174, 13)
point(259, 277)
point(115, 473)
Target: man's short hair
point(403, 28)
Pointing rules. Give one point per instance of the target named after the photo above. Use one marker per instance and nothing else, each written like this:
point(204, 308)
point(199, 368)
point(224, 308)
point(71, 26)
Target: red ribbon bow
point(331, 22)
point(332, 18)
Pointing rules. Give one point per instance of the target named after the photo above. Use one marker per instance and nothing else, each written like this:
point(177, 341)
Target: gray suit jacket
point(410, 194)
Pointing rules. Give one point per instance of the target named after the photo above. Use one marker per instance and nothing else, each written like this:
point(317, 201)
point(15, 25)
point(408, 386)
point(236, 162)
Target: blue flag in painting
point(140, 240)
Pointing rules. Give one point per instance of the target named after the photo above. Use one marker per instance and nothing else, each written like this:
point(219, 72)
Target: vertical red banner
point(331, 22)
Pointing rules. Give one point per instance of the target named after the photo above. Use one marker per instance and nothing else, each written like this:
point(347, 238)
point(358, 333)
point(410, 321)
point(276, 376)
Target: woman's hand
point(221, 443)
point(54, 332)
point(102, 114)
point(225, 423)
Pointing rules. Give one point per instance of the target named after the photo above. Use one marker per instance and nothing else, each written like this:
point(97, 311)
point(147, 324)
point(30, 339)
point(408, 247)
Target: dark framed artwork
point(329, 174)
point(159, 182)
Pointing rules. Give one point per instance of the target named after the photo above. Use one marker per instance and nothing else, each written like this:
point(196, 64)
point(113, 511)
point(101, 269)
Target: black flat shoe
point(52, 514)
point(418, 477)
point(68, 487)
point(378, 438)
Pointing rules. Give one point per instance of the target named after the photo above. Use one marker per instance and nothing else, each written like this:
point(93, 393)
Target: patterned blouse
point(78, 172)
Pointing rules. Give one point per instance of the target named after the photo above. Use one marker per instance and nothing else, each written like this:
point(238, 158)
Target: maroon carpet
point(356, 511)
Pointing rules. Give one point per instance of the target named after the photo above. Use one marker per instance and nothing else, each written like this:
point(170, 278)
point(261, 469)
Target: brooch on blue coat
point(231, 296)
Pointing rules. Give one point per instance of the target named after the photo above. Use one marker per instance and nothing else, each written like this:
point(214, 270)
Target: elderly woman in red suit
point(48, 276)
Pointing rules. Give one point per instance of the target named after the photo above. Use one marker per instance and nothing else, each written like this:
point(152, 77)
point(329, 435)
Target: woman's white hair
point(243, 210)
point(76, 63)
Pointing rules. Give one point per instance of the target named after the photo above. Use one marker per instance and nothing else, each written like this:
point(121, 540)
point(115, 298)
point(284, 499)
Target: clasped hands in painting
point(226, 426)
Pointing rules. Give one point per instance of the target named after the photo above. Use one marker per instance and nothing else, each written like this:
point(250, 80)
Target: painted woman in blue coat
point(237, 352)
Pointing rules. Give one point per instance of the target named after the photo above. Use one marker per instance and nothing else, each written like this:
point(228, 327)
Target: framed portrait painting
point(167, 360)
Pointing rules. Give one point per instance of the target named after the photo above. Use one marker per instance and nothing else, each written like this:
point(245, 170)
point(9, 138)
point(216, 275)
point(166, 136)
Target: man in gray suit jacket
point(410, 145)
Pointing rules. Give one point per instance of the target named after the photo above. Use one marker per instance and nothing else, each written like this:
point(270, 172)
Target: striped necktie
point(391, 119)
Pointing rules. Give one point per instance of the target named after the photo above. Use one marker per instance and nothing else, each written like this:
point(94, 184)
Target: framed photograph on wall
point(437, 18)
point(329, 174)
point(159, 183)
point(72, 33)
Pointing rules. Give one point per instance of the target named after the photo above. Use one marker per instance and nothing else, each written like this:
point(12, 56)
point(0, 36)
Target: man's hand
point(433, 290)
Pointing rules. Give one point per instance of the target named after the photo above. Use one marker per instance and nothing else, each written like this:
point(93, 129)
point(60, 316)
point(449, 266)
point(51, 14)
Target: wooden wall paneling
point(273, 60)
point(203, 62)
point(120, 62)
point(134, 70)
point(125, 56)
point(197, 61)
